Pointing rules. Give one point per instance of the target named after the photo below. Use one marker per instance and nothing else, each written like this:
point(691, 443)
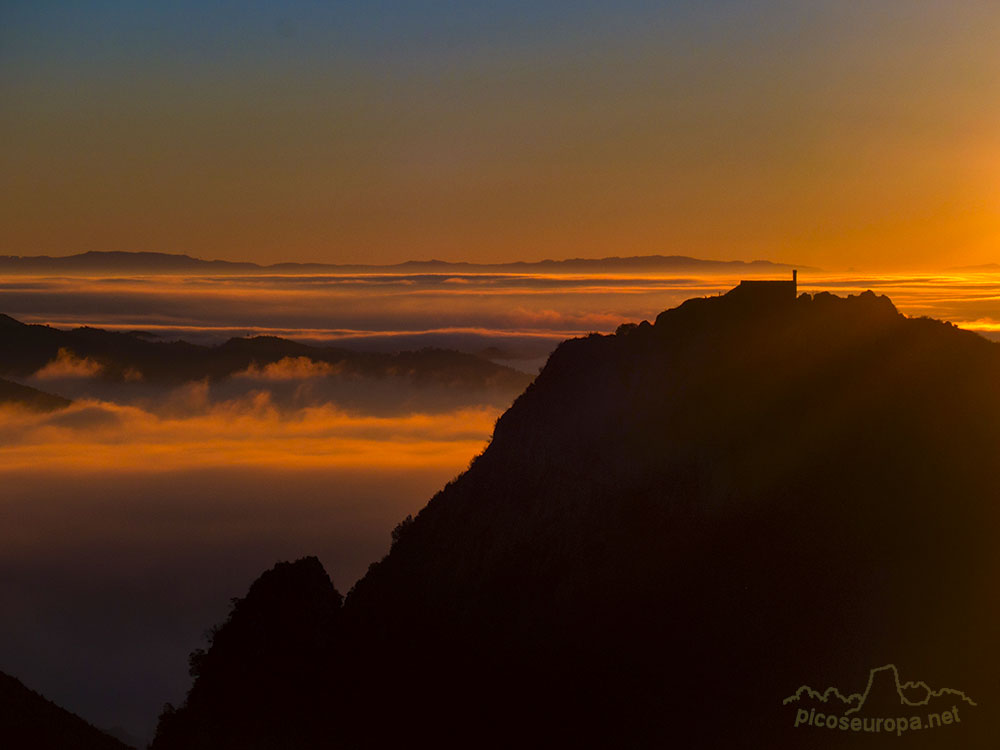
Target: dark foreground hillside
point(673, 529)
point(30, 722)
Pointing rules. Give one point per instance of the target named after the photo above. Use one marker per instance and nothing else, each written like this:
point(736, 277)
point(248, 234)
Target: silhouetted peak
point(748, 302)
point(866, 300)
point(8, 322)
point(737, 326)
point(269, 669)
point(289, 611)
point(693, 478)
point(633, 536)
point(291, 582)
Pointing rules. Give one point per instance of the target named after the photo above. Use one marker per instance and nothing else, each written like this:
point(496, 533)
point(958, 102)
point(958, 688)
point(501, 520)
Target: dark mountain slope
point(27, 720)
point(677, 526)
point(268, 678)
point(674, 523)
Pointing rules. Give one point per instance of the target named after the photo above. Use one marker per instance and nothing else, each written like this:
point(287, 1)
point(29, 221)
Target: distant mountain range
point(672, 528)
point(981, 268)
point(169, 263)
point(135, 356)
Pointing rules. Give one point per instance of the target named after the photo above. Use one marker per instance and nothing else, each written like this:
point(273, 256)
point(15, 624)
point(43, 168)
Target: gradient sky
point(833, 134)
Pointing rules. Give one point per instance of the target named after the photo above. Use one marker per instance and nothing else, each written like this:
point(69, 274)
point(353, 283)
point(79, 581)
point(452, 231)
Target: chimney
point(795, 281)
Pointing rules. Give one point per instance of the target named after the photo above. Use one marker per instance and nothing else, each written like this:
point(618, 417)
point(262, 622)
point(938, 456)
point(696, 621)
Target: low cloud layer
point(288, 387)
point(291, 368)
point(126, 528)
point(68, 365)
point(390, 311)
point(345, 307)
point(190, 431)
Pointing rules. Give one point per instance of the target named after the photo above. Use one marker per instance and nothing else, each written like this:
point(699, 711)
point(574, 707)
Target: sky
point(837, 135)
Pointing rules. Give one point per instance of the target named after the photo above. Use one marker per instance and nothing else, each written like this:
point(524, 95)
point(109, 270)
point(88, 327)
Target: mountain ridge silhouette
point(156, 262)
point(674, 522)
point(121, 357)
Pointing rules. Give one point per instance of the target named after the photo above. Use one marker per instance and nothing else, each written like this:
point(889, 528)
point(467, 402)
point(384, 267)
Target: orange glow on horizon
point(543, 307)
point(100, 436)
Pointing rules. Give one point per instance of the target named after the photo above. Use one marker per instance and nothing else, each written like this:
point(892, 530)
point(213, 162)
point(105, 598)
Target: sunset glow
point(819, 133)
point(105, 437)
point(532, 311)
